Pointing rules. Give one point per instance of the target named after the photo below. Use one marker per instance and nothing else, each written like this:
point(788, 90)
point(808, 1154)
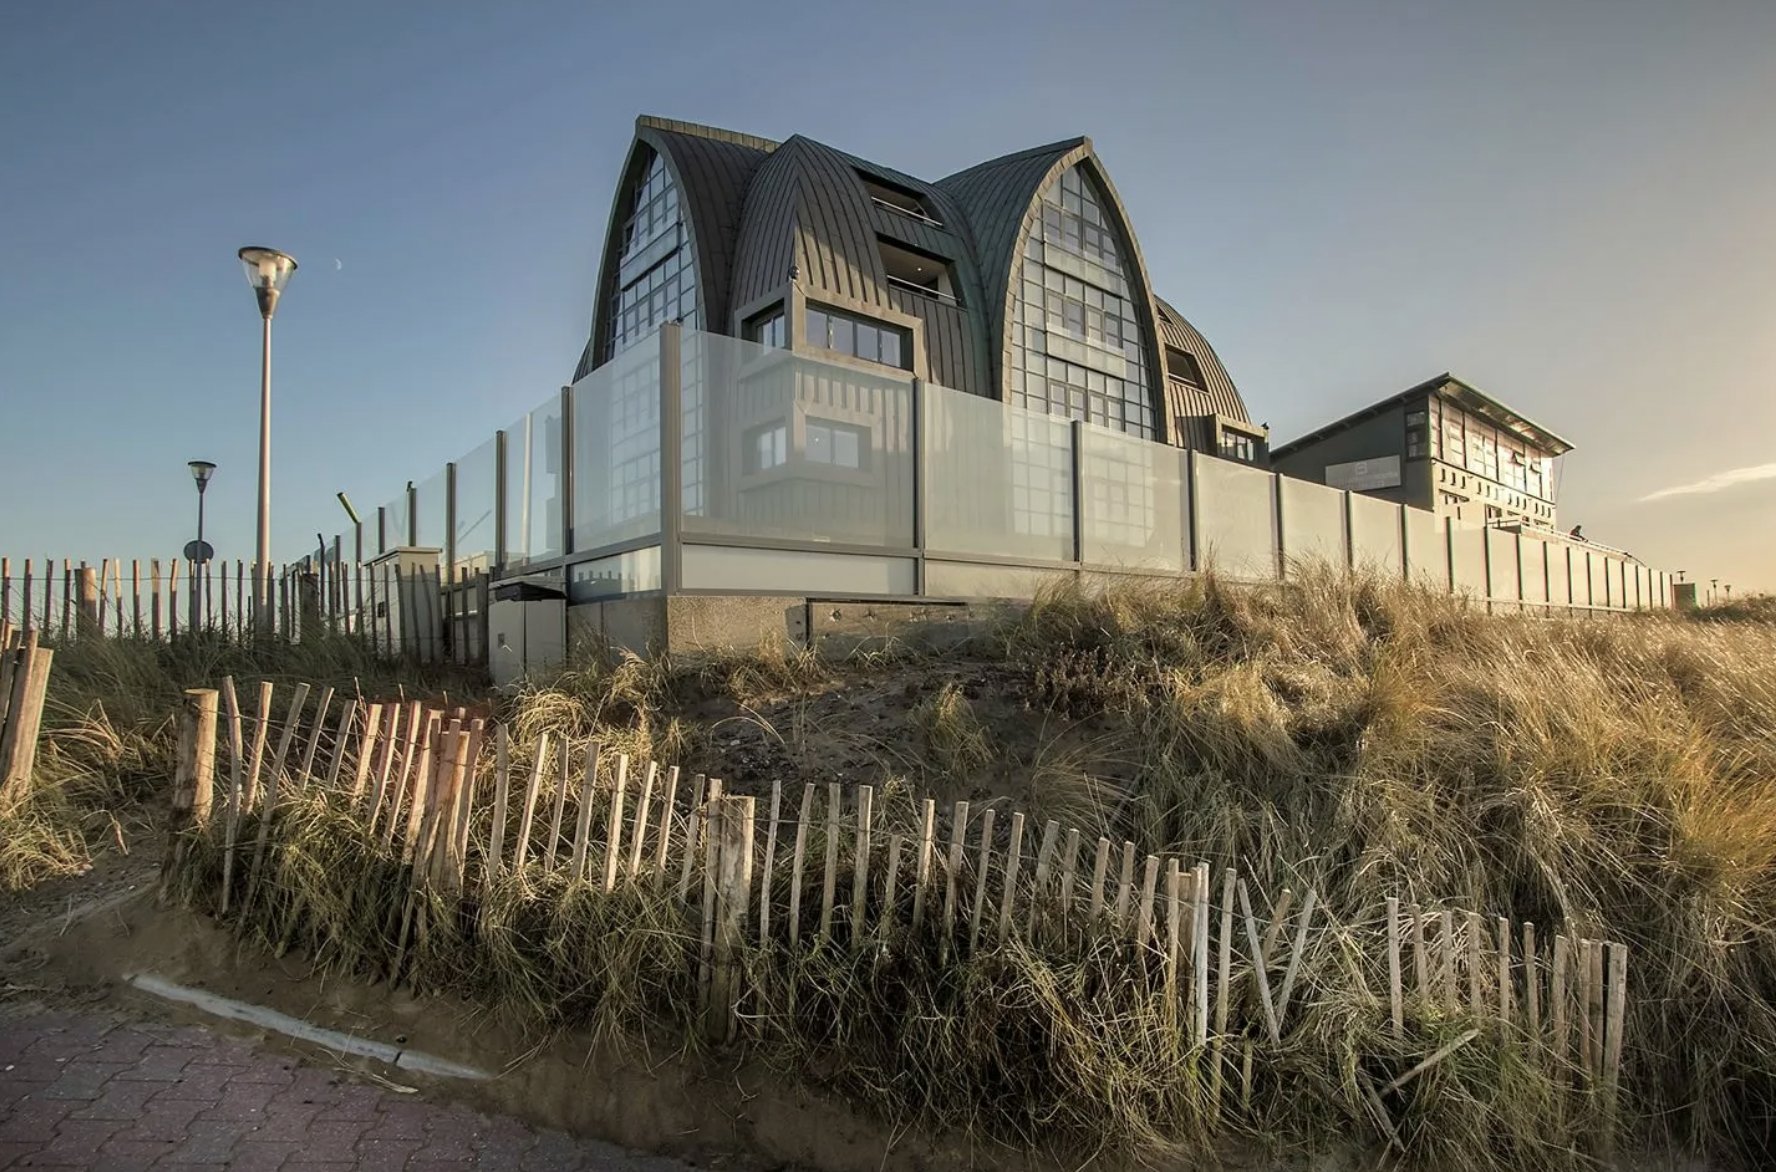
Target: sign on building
point(1365, 475)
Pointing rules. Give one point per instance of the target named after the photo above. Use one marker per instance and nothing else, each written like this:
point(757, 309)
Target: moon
point(338, 264)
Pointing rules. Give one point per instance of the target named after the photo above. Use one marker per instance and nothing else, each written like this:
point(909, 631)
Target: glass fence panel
point(432, 497)
point(1559, 578)
point(1375, 534)
point(616, 449)
point(613, 577)
point(1236, 512)
point(476, 475)
point(1534, 553)
point(1619, 591)
point(1427, 548)
point(1134, 502)
point(533, 486)
point(1313, 524)
point(1502, 568)
point(1467, 558)
point(998, 479)
point(787, 448)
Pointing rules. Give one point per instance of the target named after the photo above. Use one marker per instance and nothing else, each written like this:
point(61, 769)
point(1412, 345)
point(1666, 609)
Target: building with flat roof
point(1020, 279)
point(1444, 446)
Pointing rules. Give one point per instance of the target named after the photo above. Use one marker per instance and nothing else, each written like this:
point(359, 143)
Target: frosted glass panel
point(1468, 558)
point(431, 495)
point(1237, 515)
point(1375, 534)
point(1535, 580)
point(1559, 581)
point(1503, 553)
point(616, 450)
point(612, 577)
point(475, 503)
point(1427, 551)
point(1587, 584)
point(533, 486)
point(1313, 524)
point(1133, 500)
point(998, 479)
point(777, 446)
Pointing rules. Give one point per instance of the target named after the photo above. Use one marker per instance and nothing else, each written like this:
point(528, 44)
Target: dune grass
point(109, 736)
point(1608, 778)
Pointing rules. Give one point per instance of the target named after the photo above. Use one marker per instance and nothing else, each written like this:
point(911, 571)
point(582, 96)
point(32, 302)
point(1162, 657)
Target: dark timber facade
point(1019, 279)
point(1443, 446)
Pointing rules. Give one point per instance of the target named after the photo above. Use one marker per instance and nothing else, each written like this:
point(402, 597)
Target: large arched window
point(1076, 345)
point(656, 273)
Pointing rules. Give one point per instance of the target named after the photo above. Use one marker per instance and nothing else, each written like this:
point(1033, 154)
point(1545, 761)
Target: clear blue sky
point(1572, 205)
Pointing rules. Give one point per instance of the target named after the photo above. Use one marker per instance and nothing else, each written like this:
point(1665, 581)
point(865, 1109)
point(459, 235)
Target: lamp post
point(268, 271)
point(201, 471)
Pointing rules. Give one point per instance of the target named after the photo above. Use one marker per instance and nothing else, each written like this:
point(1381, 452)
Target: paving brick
point(206, 1141)
point(271, 1072)
point(12, 1153)
point(34, 1120)
point(159, 1061)
point(82, 1080)
point(402, 1119)
point(121, 1100)
point(354, 1103)
point(332, 1141)
point(436, 1164)
point(138, 1153)
point(78, 1141)
point(385, 1155)
point(200, 1083)
point(318, 1166)
point(257, 1155)
point(164, 1120)
point(122, 1045)
point(286, 1122)
point(242, 1102)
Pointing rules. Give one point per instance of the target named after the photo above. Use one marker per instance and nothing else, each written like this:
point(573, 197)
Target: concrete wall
point(1375, 534)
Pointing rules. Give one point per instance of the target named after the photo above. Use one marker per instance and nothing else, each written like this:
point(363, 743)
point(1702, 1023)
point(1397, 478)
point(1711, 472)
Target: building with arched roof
point(1020, 279)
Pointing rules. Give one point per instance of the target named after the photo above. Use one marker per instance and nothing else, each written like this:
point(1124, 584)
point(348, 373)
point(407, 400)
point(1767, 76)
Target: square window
point(818, 324)
point(891, 348)
point(868, 343)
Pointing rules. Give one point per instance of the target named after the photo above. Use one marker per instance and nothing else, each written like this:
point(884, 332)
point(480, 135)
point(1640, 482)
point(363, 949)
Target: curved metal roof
point(1217, 395)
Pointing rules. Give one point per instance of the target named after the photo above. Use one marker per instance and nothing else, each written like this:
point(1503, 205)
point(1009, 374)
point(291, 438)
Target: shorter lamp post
point(198, 553)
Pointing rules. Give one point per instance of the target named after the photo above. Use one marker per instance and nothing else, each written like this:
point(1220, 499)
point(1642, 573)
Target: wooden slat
point(834, 802)
point(1013, 858)
point(795, 882)
point(613, 841)
point(980, 882)
point(532, 788)
point(583, 827)
point(860, 864)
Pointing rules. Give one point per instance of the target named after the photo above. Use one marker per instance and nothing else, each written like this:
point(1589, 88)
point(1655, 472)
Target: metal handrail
point(933, 294)
point(905, 211)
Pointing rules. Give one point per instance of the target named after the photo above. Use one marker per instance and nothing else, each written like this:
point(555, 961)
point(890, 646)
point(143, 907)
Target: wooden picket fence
point(24, 683)
point(432, 616)
point(765, 874)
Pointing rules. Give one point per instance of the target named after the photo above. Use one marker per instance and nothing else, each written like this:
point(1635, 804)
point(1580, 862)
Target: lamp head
point(201, 471)
point(268, 271)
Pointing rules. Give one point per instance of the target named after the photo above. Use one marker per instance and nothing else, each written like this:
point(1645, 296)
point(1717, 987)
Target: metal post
point(450, 518)
point(672, 457)
point(566, 480)
point(1076, 439)
point(412, 516)
point(1193, 512)
point(382, 544)
point(197, 565)
point(499, 500)
point(918, 443)
point(262, 547)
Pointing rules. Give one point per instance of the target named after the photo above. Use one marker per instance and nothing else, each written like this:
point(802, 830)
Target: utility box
point(1683, 595)
point(404, 603)
point(526, 628)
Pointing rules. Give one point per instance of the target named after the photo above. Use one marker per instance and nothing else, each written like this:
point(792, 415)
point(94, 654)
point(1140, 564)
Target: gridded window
point(656, 275)
point(840, 444)
point(860, 337)
point(1076, 346)
point(1236, 446)
point(1416, 431)
point(767, 329)
point(767, 447)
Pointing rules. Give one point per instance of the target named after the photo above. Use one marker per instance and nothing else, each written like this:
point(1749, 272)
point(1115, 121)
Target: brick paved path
point(85, 1092)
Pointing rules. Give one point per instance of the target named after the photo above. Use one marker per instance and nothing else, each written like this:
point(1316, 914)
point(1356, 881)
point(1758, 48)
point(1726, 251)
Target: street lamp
point(198, 553)
point(268, 271)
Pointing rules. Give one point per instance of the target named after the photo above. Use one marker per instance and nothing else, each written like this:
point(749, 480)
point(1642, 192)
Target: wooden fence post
point(194, 779)
point(731, 831)
point(22, 719)
point(90, 616)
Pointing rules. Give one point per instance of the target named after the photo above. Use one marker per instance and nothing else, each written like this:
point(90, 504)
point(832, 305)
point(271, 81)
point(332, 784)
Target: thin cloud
point(1718, 482)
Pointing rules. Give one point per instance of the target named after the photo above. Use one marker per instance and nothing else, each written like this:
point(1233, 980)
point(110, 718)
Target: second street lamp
point(198, 553)
point(268, 271)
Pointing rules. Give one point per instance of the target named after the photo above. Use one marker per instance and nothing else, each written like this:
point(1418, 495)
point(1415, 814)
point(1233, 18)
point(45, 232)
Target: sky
point(1567, 205)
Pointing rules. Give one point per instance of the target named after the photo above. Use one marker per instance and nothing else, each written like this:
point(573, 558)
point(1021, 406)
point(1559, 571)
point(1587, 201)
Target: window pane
point(867, 344)
point(845, 448)
point(844, 335)
point(817, 328)
point(891, 347)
